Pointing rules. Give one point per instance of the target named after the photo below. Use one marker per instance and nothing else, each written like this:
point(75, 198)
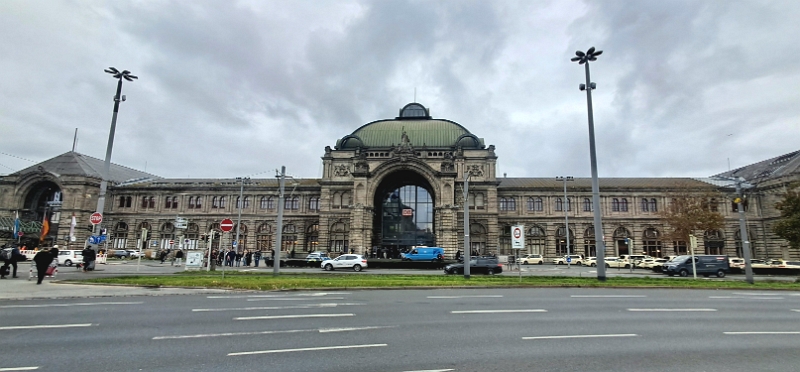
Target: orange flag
point(45, 229)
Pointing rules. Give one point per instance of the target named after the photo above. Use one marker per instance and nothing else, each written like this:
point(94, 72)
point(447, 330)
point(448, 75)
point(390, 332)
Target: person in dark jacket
point(16, 256)
point(257, 257)
point(88, 256)
point(43, 259)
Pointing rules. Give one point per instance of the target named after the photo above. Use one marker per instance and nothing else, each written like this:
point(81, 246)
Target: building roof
point(777, 167)
point(604, 183)
point(75, 164)
point(415, 126)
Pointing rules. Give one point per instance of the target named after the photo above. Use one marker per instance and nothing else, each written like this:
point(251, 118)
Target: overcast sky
point(239, 88)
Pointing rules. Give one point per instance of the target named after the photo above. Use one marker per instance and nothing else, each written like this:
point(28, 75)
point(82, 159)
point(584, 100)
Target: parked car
point(590, 261)
point(736, 263)
point(658, 264)
point(133, 253)
point(317, 256)
point(633, 259)
point(616, 262)
point(424, 254)
point(574, 260)
point(531, 259)
point(356, 262)
point(704, 264)
point(120, 253)
point(69, 257)
point(647, 263)
point(477, 265)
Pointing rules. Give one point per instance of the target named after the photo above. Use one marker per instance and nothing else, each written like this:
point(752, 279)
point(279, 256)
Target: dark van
point(706, 265)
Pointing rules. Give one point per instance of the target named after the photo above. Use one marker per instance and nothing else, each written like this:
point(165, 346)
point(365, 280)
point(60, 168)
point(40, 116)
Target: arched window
point(651, 242)
point(191, 202)
point(477, 239)
point(561, 241)
point(214, 202)
point(339, 237)
point(615, 205)
point(313, 204)
point(119, 237)
point(644, 205)
point(653, 205)
point(151, 203)
point(312, 238)
point(144, 202)
point(559, 204)
point(623, 205)
point(121, 202)
point(508, 204)
point(263, 203)
point(535, 204)
point(536, 240)
point(167, 202)
point(264, 239)
point(589, 247)
point(587, 205)
point(222, 202)
point(713, 242)
point(291, 203)
point(271, 203)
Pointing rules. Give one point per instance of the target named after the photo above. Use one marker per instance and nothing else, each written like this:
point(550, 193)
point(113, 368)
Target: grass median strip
point(291, 281)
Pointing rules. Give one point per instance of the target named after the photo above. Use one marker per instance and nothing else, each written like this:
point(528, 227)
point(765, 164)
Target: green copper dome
point(415, 126)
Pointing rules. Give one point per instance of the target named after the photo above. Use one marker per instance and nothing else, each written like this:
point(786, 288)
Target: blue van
point(424, 254)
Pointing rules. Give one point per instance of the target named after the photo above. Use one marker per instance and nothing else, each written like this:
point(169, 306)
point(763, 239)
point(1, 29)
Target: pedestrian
point(458, 255)
point(43, 259)
point(220, 257)
point(257, 257)
point(291, 255)
point(164, 254)
point(238, 259)
point(179, 257)
point(273, 257)
point(89, 256)
point(230, 258)
point(13, 257)
point(248, 258)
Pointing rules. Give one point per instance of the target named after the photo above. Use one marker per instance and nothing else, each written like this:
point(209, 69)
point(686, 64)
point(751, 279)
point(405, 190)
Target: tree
point(788, 225)
point(690, 210)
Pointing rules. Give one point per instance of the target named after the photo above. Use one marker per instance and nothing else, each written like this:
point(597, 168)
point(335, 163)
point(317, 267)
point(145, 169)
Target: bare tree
point(691, 209)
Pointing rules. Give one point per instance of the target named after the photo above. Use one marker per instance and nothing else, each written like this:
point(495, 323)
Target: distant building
point(390, 185)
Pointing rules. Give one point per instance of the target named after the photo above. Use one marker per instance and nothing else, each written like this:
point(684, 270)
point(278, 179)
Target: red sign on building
point(407, 212)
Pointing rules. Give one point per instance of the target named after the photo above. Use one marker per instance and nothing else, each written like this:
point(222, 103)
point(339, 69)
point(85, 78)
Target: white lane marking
point(476, 296)
point(19, 369)
point(46, 326)
point(608, 296)
point(744, 298)
point(315, 294)
point(293, 316)
point(757, 294)
point(231, 334)
point(432, 370)
point(763, 333)
point(796, 310)
point(294, 299)
point(307, 306)
point(672, 310)
point(579, 336)
point(498, 311)
point(306, 349)
point(75, 304)
point(350, 329)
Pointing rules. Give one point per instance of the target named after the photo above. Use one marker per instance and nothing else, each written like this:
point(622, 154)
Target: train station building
point(389, 185)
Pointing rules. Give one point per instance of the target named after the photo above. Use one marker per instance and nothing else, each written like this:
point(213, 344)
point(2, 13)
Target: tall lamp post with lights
point(240, 203)
point(584, 59)
point(101, 198)
point(566, 212)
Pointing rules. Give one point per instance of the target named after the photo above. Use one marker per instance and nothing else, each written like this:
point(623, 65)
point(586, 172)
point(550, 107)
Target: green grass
point(258, 281)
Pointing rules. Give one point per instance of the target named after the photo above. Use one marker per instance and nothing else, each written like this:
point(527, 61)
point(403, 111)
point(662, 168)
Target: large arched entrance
point(404, 213)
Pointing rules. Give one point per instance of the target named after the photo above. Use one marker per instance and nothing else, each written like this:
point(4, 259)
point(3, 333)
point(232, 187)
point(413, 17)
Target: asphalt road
point(564, 329)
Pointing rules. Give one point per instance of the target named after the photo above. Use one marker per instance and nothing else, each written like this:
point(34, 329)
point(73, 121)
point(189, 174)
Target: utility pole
point(467, 251)
point(279, 234)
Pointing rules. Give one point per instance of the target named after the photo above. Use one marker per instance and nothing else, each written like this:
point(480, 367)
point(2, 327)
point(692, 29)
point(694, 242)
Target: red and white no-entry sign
point(96, 218)
point(226, 225)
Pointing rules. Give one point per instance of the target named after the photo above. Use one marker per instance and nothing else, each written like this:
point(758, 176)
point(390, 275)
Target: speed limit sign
point(518, 237)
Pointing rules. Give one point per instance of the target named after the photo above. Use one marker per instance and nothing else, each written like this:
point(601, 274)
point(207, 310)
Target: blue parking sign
point(569, 259)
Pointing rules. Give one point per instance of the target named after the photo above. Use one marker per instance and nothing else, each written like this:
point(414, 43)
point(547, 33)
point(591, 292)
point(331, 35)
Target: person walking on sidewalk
point(89, 256)
point(231, 256)
point(178, 257)
point(14, 256)
point(238, 259)
point(43, 259)
point(257, 257)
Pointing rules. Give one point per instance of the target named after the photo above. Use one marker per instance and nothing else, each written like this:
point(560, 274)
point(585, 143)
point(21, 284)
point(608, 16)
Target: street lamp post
point(240, 203)
point(566, 212)
point(584, 58)
point(101, 198)
point(467, 251)
point(276, 263)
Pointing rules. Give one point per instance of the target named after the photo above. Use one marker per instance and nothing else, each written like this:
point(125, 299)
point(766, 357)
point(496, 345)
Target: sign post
point(518, 243)
point(226, 226)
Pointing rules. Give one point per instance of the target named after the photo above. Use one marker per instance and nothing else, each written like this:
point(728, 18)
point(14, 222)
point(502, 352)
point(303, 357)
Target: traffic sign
point(96, 218)
point(171, 242)
point(518, 237)
point(19, 233)
point(226, 225)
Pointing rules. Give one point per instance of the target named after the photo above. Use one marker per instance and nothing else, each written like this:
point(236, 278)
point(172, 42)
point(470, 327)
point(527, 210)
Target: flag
point(72, 228)
point(16, 224)
point(45, 229)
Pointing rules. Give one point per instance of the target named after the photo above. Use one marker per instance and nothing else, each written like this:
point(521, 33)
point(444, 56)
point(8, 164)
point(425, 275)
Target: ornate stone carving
point(341, 170)
point(475, 170)
point(362, 167)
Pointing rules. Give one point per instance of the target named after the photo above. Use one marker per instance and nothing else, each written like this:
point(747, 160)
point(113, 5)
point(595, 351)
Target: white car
point(70, 257)
point(531, 259)
point(574, 260)
point(134, 253)
point(616, 262)
point(356, 262)
point(590, 261)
